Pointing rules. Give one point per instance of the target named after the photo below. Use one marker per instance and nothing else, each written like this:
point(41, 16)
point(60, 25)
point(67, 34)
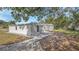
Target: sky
point(6, 16)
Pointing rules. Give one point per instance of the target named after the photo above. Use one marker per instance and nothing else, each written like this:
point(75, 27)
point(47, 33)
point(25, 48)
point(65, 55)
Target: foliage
point(59, 16)
point(67, 32)
point(40, 12)
point(3, 24)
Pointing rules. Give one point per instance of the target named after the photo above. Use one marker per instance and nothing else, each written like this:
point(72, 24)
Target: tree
point(40, 12)
point(12, 22)
point(60, 16)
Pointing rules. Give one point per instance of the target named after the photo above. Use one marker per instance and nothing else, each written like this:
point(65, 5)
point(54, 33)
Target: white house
point(30, 28)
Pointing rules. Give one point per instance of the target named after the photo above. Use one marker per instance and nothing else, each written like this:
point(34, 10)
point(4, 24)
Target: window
point(16, 27)
point(37, 28)
point(21, 27)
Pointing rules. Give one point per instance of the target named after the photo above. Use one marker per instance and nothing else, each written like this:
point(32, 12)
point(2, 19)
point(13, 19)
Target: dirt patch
point(58, 41)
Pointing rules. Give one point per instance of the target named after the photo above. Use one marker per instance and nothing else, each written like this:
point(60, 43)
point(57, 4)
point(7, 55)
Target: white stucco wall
point(12, 29)
point(47, 27)
point(31, 29)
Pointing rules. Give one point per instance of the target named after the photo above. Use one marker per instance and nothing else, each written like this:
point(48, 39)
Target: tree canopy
point(60, 16)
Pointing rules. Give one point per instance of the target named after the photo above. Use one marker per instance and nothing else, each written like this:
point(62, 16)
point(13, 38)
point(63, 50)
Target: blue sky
point(6, 16)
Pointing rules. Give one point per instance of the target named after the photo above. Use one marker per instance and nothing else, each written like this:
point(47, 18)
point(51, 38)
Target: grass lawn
point(68, 32)
point(7, 38)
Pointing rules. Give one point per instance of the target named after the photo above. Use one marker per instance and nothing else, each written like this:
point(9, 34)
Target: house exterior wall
point(47, 27)
point(18, 29)
point(31, 29)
